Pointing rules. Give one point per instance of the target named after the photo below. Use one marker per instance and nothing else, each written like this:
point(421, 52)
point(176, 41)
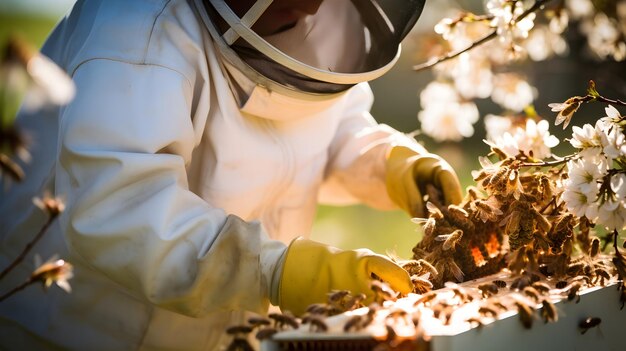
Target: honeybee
point(459, 217)
point(355, 301)
point(475, 322)
point(450, 240)
point(575, 268)
point(561, 284)
point(382, 292)
point(589, 323)
point(525, 314)
point(532, 292)
point(239, 344)
point(426, 298)
point(500, 283)
point(438, 309)
point(486, 211)
point(520, 283)
point(459, 292)
point(316, 324)
point(548, 311)
point(488, 311)
point(391, 333)
point(447, 314)
point(265, 333)
point(473, 193)
point(454, 268)
point(398, 313)
point(594, 248)
point(238, 329)
point(258, 321)
point(354, 323)
point(572, 292)
point(541, 287)
point(281, 320)
point(421, 284)
point(602, 275)
point(318, 308)
point(429, 267)
point(428, 224)
point(434, 211)
point(336, 295)
point(488, 289)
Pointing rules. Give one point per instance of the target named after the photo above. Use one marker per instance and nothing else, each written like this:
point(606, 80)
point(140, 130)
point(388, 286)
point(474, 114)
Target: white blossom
point(437, 93)
point(612, 115)
point(543, 43)
point(580, 203)
point(448, 120)
point(473, 77)
point(603, 37)
point(618, 185)
point(613, 143)
point(559, 22)
point(534, 138)
point(51, 84)
point(512, 92)
point(496, 126)
point(585, 173)
point(504, 15)
point(581, 189)
point(588, 139)
point(612, 214)
point(580, 8)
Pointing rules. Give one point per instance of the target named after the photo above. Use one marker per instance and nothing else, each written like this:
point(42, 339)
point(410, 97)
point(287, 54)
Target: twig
point(433, 62)
point(29, 246)
point(610, 101)
point(549, 163)
point(615, 235)
point(452, 55)
point(17, 288)
point(552, 202)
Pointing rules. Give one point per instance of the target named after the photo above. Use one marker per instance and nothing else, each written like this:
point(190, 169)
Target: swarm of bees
point(513, 227)
point(513, 220)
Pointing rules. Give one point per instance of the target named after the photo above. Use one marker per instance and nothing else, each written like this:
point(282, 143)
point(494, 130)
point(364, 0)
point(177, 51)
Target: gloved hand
point(408, 172)
point(311, 270)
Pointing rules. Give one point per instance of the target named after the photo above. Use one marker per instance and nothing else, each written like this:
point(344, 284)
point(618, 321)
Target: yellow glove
point(408, 172)
point(311, 270)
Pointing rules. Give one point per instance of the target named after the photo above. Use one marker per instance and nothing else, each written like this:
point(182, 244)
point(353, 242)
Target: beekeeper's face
point(281, 15)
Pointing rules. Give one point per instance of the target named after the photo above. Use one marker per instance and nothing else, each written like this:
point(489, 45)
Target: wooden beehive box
point(502, 333)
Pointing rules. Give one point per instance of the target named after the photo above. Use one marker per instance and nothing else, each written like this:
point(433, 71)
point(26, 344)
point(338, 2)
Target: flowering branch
point(610, 101)
point(53, 208)
point(28, 247)
point(17, 288)
point(53, 271)
point(550, 163)
point(435, 61)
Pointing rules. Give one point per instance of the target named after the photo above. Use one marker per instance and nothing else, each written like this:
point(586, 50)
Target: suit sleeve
point(356, 169)
point(125, 142)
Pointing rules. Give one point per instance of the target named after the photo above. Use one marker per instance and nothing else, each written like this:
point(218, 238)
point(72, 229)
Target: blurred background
point(397, 104)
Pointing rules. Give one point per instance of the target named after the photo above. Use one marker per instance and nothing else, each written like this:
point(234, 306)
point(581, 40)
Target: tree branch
point(435, 61)
point(17, 288)
point(28, 247)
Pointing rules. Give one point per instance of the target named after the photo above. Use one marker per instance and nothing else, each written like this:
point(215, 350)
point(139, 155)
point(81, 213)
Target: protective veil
point(181, 196)
point(343, 44)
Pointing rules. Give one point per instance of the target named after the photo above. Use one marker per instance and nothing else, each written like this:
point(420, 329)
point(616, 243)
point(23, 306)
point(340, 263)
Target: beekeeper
point(201, 138)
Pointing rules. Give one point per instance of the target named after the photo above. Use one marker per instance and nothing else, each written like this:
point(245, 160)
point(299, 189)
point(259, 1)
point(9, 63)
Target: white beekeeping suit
point(185, 176)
